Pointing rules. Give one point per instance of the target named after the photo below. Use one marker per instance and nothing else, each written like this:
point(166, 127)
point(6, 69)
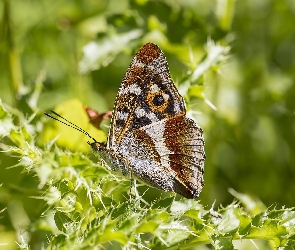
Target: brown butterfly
point(150, 137)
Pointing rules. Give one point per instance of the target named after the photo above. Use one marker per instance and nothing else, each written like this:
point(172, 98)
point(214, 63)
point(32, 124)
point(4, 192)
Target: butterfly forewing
point(147, 94)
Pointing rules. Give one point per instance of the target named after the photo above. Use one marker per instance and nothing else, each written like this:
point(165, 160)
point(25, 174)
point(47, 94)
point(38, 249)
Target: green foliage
point(87, 206)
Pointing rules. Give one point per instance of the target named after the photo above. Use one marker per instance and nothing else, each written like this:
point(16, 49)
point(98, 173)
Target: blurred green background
point(83, 48)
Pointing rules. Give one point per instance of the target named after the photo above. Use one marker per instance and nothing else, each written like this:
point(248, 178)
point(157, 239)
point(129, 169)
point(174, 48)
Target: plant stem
point(15, 69)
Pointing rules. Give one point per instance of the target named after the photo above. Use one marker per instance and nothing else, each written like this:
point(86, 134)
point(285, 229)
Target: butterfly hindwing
point(175, 147)
point(147, 94)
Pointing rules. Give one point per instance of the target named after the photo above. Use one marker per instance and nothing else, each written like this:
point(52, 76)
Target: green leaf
point(6, 121)
point(72, 110)
point(196, 91)
point(98, 54)
point(63, 222)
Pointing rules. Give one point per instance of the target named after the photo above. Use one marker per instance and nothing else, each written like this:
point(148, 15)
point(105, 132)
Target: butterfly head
point(97, 146)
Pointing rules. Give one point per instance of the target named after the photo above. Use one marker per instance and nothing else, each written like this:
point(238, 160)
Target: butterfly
point(150, 136)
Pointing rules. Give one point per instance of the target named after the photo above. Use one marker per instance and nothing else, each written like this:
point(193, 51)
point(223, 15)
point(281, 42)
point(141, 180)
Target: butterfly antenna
point(68, 123)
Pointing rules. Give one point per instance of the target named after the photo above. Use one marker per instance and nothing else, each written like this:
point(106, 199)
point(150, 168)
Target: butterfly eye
point(158, 100)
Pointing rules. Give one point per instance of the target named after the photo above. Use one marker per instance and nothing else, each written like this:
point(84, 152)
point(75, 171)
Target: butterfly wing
point(149, 132)
point(185, 157)
point(168, 155)
point(146, 95)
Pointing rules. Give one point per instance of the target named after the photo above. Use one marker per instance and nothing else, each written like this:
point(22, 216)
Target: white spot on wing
point(138, 63)
point(154, 88)
point(139, 112)
point(133, 88)
point(122, 115)
point(165, 96)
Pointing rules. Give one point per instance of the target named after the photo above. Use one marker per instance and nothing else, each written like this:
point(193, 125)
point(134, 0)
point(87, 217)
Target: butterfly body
point(149, 135)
